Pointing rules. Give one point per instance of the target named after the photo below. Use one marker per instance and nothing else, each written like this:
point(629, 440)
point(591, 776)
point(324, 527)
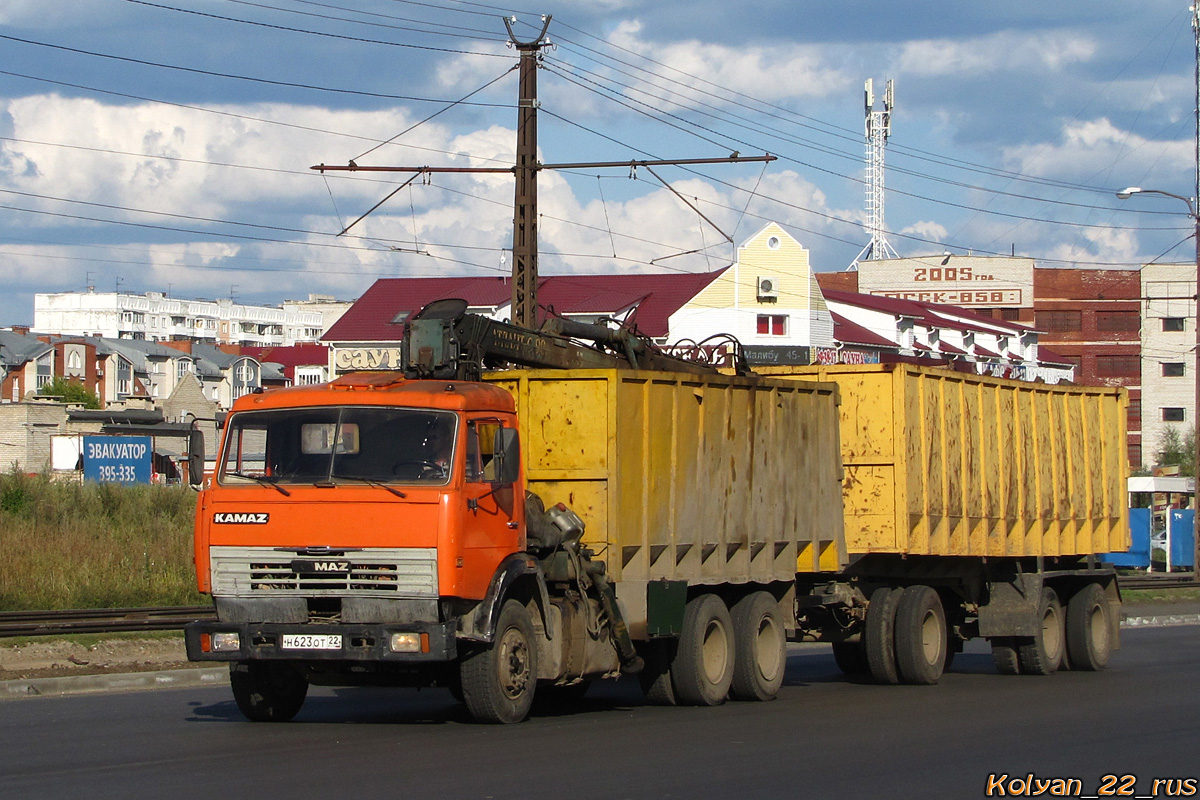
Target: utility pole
point(525, 170)
point(524, 245)
point(1196, 363)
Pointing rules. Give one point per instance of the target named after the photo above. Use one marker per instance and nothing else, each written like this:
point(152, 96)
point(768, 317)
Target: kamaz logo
point(240, 518)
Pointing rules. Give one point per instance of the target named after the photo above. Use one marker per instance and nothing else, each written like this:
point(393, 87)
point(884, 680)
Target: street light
point(1125, 194)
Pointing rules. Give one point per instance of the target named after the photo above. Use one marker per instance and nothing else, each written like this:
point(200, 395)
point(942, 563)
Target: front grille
point(377, 572)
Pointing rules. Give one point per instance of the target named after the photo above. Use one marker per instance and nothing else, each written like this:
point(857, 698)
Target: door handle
point(511, 524)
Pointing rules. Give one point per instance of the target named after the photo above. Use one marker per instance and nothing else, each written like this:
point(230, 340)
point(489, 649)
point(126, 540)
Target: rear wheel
point(760, 647)
point(879, 638)
point(1042, 654)
point(920, 636)
point(702, 670)
point(851, 658)
point(267, 691)
point(498, 682)
point(1004, 653)
point(655, 676)
point(1088, 629)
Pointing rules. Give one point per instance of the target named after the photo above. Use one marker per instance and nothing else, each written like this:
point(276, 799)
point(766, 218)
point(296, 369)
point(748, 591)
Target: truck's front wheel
point(267, 691)
point(498, 682)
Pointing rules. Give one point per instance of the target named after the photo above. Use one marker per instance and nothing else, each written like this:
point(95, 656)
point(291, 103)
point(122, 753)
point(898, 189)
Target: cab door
point(495, 517)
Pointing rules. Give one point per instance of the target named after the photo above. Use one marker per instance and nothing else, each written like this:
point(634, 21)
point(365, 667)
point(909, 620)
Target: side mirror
point(507, 448)
point(195, 460)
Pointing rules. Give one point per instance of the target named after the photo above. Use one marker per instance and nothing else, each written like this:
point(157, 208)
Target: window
point(1172, 324)
point(1074, 361)
point(1121, 366)
point(1172, 415)
point(772, 325)
point(1124, 321)
point(1059, 321)
point(352, 445)
point(1172, 369)
point(1133, 420)
point(481, 456)
point(1010, 314)
point(1135, 455)
point(182, 367)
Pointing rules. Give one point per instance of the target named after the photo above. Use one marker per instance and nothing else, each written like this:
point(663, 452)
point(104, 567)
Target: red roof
point(297, 355)
point(656, 295)
point(933, 314)
point(849, 332)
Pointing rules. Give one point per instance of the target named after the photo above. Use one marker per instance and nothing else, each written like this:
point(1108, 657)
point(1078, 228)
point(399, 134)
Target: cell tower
point(879, 127)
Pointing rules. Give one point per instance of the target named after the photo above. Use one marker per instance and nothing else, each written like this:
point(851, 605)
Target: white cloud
point(1083, 146)
point(1103, 244)
point(771, 72)
point(927, 230)
point(1005, 50)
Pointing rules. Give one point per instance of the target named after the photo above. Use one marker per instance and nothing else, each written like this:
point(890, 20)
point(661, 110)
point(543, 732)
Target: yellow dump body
point(945, 463)
point(708, 479)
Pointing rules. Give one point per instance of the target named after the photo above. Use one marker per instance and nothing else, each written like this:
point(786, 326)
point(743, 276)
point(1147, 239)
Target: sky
point(166, 146)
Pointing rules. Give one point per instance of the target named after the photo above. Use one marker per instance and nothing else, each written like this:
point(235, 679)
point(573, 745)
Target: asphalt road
point(823, 737)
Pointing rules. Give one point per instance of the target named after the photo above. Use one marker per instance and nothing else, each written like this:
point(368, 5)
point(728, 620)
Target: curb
point(118, 682)
point(1161, 621)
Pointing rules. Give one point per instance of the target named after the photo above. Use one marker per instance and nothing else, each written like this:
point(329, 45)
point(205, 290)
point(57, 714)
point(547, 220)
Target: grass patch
point(94, 545)
point(1188, 595)
point(89, 639)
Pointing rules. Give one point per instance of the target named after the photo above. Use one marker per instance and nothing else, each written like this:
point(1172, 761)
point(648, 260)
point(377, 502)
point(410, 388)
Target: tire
point(702, 670)
point(950, 653)
point(1088, 629)
point(920, 636)
point(760, 648)
point(655, 676)
point(499, 681)
point(267, 691)
point(851, 658)
point(1043, 654)
point(1004, 653)
point(879, 638)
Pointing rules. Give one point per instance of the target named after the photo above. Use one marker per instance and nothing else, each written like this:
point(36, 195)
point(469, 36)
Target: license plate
point(312, 641)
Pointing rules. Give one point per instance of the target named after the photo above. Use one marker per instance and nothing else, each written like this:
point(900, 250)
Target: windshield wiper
point(262, 480)
point(369, 482)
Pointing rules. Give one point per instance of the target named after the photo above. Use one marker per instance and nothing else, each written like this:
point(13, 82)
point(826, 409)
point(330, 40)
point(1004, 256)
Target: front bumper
point(360, 642)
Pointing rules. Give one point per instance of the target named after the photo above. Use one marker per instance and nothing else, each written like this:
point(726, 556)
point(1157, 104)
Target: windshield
point(320, 445)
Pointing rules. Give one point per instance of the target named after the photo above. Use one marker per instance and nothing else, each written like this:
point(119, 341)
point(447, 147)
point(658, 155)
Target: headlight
point(405, 643)
point(226, 642)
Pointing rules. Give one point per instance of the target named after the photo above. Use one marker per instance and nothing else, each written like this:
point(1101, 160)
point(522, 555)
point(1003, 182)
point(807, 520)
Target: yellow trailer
point(692, 479)
point(974, 506)
point(945, 463)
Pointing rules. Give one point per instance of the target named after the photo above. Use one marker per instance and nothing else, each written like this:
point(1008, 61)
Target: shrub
point(71, 545)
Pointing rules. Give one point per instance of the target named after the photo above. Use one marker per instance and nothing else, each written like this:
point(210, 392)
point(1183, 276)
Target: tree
point(1177, 449)
point(69, 390)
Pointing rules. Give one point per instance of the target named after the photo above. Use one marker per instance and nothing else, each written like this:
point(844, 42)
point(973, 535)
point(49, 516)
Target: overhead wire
point(764, 197)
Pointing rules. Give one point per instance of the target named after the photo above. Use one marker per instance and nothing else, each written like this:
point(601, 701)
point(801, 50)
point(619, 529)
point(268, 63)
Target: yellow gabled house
point(769, 296)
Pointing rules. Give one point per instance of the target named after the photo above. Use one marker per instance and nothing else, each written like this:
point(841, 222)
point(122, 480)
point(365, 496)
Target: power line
point(287, 29)
point(230, 76)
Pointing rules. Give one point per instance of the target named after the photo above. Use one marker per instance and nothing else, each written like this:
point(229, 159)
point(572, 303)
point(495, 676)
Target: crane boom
point(443, 341)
